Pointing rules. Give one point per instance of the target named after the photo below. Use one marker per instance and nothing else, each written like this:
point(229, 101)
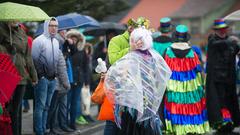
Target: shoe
point(226, 128)
point(73, 127)
point(67, 129)
point(25, 110)
point(89, 118)
point(81, 121)
point(50, 133)
point(57, 131)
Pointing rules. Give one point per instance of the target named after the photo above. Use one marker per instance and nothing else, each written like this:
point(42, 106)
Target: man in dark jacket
point(73, 50)
point(222, 103)
point(13, 41)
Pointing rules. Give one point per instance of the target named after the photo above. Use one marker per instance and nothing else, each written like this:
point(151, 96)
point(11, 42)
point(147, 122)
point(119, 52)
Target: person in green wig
point(184, 102)
point(117, 48)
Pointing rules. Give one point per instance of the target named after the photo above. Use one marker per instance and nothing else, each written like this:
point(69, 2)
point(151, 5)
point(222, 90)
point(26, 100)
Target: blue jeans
point(43, 93)
point(73, 105)
point(26, 104)
point(52, 112)
point(110, 128)
point(62, 110)
point(57, 114)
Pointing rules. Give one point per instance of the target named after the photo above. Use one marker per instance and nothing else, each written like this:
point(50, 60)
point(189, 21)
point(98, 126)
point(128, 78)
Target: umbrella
point(72, 20)
point(18, 12)
point(9, 78)
point(86, 37)
point(234, 16)
point(104, 28)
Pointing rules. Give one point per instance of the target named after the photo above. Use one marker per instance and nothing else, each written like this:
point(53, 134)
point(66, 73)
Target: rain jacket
point(118, 47)
point(45, 53)
point(19, 51)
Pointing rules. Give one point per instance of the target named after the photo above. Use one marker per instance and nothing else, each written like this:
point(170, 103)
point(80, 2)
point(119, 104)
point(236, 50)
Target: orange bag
point(106, 111)
point(98, 94)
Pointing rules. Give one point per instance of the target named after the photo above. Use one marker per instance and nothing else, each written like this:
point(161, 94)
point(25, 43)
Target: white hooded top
point(45, 51)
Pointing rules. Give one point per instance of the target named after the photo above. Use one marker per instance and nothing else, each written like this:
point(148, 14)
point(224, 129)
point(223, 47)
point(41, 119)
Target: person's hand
point(136, 45)
point(67, 86)
point(105, 49)
point(86, 86)
point(34, 83)
point(234, 39)
point(103, 75)
point(70, 41)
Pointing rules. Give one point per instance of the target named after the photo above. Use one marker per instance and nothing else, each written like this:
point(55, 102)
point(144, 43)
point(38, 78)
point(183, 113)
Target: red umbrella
point(9, 78)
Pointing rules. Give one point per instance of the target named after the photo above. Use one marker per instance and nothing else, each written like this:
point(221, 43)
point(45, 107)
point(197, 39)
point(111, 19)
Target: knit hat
point(181, 34)
point(165, 25)
point(219, 24)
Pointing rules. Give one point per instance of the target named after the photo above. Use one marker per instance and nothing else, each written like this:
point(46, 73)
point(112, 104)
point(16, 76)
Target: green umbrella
point(18, 12)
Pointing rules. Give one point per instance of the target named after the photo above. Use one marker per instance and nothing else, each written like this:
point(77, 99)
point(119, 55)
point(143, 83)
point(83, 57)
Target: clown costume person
point(184, 103)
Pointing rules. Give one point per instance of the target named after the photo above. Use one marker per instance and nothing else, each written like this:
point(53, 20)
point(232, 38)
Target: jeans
point(73, 105)
point(52, 112)
point(43, 93)
point(15, 109)
point(110, 128)
point(26, 104)
point(57, 117)
point(62, 110)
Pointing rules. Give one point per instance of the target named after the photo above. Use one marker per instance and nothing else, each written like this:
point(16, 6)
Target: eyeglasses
point(53, 26)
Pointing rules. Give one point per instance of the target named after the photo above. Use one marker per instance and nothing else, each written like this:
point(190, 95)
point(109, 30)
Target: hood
point(78, 34)
point(46, 25)
point(181, 45)
point(144, 35)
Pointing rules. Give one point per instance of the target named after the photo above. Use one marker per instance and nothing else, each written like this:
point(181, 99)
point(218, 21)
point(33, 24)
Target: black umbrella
point(105, 28)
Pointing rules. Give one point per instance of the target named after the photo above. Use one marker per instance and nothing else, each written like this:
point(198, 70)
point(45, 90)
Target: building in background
point(198, 15)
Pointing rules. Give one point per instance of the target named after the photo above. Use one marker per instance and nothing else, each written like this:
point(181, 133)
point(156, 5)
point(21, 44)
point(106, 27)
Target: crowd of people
point(193, 102)
point(155, 85)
